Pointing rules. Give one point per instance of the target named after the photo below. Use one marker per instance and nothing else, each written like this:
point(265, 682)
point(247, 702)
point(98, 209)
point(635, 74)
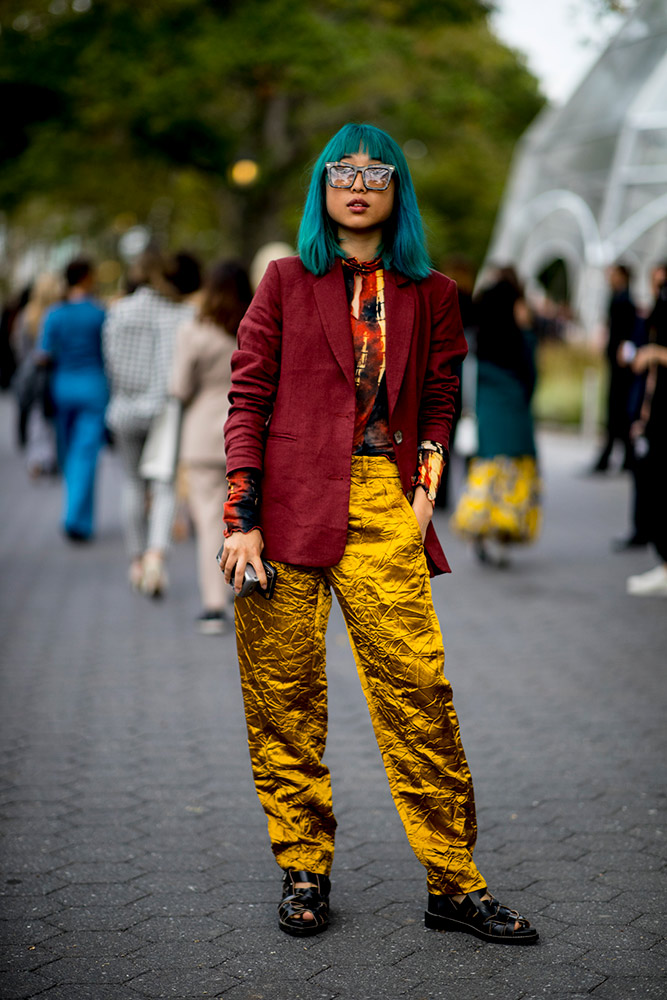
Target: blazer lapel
point(400, 312)
point(334, 313)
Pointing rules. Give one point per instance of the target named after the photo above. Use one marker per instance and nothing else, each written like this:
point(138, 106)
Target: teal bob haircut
point(403, 243)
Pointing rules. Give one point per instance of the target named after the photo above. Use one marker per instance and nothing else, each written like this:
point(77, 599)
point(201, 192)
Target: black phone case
point(271, 579)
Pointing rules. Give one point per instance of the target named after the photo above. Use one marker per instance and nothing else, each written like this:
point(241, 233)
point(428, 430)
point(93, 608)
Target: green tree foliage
point(118, 109)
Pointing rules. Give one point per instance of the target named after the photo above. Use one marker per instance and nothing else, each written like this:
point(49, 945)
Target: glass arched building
point(589, 181)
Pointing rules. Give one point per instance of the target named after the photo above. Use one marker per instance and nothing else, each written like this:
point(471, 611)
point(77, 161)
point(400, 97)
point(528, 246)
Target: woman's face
point(357, 209)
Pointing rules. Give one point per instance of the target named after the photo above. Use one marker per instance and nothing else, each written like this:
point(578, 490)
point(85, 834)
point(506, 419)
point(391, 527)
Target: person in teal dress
point(71, 344)
point(500, 505)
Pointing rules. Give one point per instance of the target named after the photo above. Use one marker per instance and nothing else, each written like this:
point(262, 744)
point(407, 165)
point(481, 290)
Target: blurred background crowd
point(130, 130)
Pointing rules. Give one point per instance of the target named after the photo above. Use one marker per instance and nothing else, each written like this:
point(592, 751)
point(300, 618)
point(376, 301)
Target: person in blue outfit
point(71, 345)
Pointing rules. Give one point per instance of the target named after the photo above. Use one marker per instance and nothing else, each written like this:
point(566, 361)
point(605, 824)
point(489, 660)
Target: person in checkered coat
point(138, 338)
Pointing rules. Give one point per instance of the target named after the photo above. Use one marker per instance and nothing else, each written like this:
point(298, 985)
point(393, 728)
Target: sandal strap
point(314, 898)
point(303, 899)
point(492, 915)
point(292, 876)
point(488, 915)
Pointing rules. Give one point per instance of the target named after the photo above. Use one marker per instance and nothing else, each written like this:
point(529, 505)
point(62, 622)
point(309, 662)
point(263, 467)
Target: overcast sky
point(560, 38)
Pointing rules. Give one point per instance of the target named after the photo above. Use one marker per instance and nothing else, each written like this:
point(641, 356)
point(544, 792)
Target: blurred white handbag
point(159, 456)
point(466, 439)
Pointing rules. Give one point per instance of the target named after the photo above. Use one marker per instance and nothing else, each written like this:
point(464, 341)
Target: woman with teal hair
point(403, 246)
point(340, 409)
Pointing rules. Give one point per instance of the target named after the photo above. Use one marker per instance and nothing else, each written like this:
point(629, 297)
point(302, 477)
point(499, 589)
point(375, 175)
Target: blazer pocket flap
point(280, 435)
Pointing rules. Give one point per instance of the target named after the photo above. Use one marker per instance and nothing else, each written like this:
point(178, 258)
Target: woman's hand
point(423, 509)
point(648, 355)
point(642, 359)
point(239, 550)
point(523, 316)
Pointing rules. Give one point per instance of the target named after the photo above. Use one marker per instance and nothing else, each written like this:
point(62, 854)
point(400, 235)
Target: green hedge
point(560, 388)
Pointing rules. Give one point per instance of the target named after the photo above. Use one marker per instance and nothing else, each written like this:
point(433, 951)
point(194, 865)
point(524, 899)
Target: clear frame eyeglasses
point(376, 176)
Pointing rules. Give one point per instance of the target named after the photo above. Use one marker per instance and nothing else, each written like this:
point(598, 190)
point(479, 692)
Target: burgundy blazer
point(292, 401)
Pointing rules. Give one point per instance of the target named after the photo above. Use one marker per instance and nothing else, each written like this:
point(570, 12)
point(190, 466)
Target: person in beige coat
point(201, 380)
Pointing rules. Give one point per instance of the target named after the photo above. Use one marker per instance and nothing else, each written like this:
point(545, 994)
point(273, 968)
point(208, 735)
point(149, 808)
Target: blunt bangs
point(403, 244)
point(373, 141)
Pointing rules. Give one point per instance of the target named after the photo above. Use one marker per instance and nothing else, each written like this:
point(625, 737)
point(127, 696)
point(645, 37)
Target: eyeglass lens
point(375, 176)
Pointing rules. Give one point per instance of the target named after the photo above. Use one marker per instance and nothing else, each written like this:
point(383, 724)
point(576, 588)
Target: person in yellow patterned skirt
point(500, 505)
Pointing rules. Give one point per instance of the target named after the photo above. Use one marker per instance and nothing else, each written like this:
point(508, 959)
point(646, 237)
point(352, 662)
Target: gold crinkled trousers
point(383, 587)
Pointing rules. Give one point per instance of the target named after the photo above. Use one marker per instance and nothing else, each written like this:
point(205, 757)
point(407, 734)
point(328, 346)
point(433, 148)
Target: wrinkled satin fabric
point(383, 587)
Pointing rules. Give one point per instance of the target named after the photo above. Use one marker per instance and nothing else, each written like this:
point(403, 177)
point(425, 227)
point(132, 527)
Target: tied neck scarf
point(362, 266)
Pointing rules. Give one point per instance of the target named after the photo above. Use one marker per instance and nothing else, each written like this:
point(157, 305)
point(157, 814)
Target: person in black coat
point(622, 320)
point(651, 448)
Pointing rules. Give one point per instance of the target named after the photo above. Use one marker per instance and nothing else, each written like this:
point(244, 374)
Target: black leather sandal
point(314, 899)
point(485, 918)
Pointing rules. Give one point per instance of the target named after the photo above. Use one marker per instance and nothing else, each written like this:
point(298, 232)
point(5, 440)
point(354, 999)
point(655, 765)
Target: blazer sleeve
point(255, 372)
point(448, 348)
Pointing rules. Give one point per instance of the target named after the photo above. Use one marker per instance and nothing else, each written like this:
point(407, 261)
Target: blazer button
point(398, 437)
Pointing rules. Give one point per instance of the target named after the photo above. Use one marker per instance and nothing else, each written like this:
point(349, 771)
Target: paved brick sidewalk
point(135, 862)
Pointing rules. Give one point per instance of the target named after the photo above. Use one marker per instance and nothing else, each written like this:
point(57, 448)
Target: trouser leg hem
point(446, 887)
point(318, 863)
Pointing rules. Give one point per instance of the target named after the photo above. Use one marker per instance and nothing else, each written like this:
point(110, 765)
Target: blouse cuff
point(241, 511)
point(431, 462)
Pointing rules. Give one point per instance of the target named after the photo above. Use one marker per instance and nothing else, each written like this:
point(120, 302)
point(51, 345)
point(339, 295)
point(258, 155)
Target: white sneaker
point(651, 584)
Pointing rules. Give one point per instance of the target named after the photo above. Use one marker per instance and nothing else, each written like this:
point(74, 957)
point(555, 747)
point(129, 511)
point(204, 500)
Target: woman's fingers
point(239, 550)
point(229, 559)
point(239, 572)
point(261, 572)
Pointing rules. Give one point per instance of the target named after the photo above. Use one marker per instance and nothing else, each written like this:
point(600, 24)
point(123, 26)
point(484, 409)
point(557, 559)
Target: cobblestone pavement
point(135, 860)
